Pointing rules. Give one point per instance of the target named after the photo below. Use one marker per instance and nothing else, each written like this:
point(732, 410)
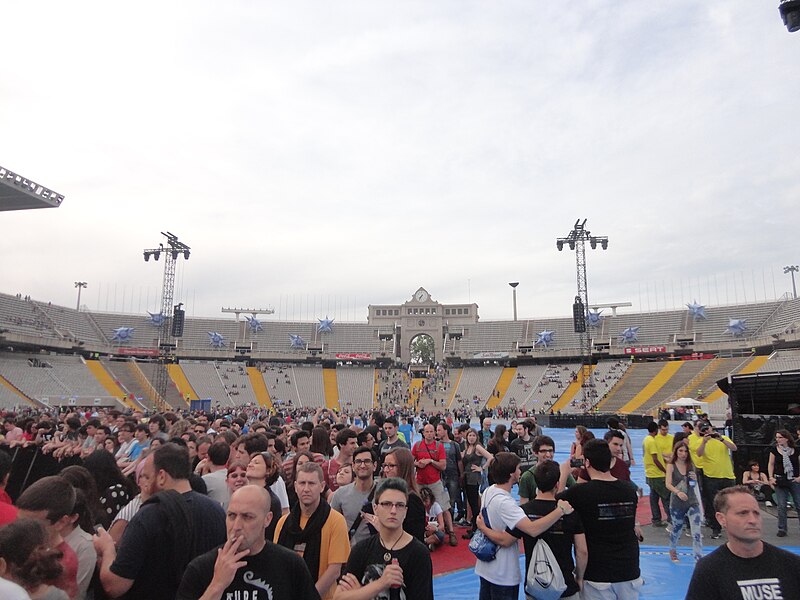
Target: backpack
point(545, 580)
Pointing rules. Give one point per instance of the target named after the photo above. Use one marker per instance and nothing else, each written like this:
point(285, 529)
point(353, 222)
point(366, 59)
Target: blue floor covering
point(662, 578)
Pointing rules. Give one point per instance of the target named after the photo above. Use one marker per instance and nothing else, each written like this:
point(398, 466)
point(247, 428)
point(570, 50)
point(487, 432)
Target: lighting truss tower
point(576, 240)
point(166, 346)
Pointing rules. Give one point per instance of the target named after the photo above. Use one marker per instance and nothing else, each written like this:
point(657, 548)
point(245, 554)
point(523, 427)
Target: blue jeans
point(491, 591)
point(695, 520)
point(781, 498)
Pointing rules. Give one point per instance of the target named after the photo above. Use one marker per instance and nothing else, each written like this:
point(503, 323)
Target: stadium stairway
point(572, 390)
point(754, 365)
point(331, 387)
point(112, 387)
point(652, 387)
point(259, 387)
point(503, 383)
point(376, 389)
point(184, 387)
point(415, 390)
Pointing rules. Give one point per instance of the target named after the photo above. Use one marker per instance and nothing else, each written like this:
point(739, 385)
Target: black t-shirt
point(275, 573)
point(722, 574)
point(525, 452)
point(367, 563)
point(146, 551)
point(608, 512)
point(559, 537)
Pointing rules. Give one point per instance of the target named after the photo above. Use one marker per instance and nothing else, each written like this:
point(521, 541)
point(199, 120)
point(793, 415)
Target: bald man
point(248, 565)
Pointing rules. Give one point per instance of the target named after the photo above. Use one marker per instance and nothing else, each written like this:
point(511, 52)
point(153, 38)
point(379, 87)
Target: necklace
point(387, 557)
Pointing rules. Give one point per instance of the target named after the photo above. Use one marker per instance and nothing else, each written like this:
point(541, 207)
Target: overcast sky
point(322, 156)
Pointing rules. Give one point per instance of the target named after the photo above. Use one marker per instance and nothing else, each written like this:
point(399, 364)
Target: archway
point(422, 350)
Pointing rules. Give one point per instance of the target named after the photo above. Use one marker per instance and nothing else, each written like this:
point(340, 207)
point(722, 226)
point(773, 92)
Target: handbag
point(545, 580)
point(481, 546)
point(782, 482)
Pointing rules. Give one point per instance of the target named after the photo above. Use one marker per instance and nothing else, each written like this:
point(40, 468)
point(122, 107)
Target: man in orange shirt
point(317, 533)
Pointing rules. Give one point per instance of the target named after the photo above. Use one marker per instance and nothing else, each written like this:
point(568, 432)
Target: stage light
point(156, 254)
point(593, 243)
point(571, 245)
point(559, 245)
point(174, 255)
point(186, 254)
point(146, 257)
point(604, 244)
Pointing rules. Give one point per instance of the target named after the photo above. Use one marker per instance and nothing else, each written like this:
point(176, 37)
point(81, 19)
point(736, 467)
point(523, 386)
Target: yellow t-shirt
point(664, 445)
point(717, 460)
point(650, 469)
point(694, 443)
point(334, 545)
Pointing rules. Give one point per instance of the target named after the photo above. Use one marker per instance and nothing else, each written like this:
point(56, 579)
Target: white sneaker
point(768, 503)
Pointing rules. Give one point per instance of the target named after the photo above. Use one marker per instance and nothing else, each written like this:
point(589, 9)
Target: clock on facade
point(421, 296)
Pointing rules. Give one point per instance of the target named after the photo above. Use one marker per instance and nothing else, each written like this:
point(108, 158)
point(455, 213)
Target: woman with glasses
point(399, 462)
point(784, 475)
point(476, 460)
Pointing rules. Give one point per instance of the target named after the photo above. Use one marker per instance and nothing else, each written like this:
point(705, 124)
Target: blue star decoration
point(594, 318)
point(545, 338)
point(631, 334)
point(297, 342)
point(254, 324)
point(698, 310)
point(325, 325)
point(737, 327)
point(217, 340)
point(156, 319)
point(122, 334)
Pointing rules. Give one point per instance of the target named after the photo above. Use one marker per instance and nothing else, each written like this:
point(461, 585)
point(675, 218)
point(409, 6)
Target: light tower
point(576, 239)
point(514, 285)
point(792, 269)
point(80, 285)
point(166, 347)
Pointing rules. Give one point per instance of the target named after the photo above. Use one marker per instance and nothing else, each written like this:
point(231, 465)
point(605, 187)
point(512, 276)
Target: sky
point(319, 157)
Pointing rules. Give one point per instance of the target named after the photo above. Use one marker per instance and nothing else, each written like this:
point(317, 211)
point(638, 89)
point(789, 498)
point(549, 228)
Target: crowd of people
point(313, 504)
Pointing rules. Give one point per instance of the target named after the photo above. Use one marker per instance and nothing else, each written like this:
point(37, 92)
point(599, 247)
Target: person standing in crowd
point(216, 478)
point(347, 442)
point(453, 472)
point(173, 527)
point(391, 438)
point(683, 502)
point(784, 475)
point(500, 578)
point(607, 508)
point(431, 462)
point(715, 450)
point(29, 565)
point(745, 566)
point(350, 500)
point(486, 431)
point(656, 475)
point(563, 537)
point(247, 563)
point(627, 450)
point(619, 468)
point(545, 448)
point(522, 446)
point(476, 460)
point(51, 501)
point(317, 533)
point(392, 564)
point(400, 463)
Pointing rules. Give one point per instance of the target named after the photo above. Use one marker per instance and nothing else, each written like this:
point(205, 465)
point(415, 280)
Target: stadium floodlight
point(80, 285)
point(792, 269)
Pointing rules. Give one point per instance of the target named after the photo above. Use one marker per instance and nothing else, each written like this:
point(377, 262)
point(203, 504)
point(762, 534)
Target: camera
point(790, 12)
point(576, 463)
